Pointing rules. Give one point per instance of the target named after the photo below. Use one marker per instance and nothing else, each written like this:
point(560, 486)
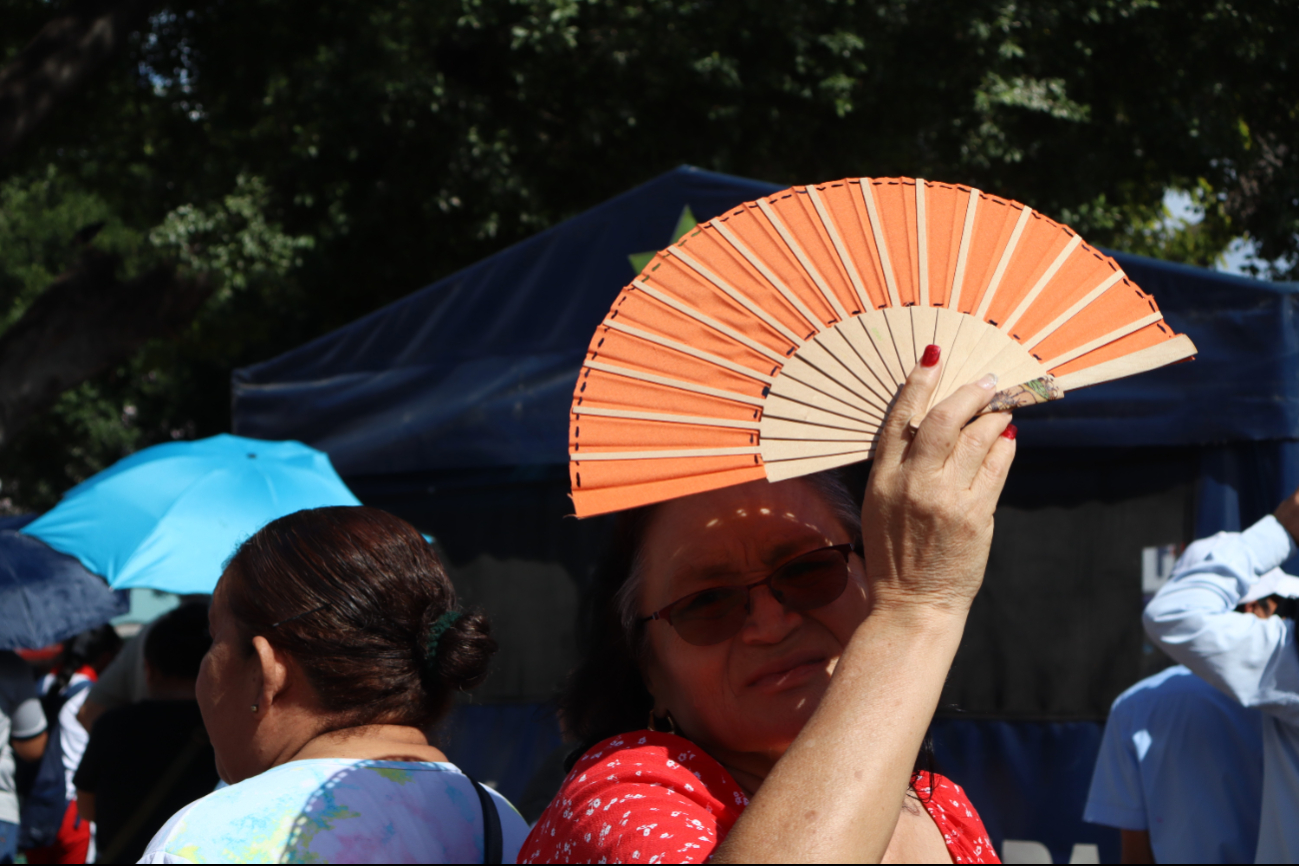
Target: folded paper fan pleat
point(770, 342)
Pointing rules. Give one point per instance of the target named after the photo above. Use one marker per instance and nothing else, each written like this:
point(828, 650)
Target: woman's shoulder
point(635, 796)
point(655, 757)
point(337, 810)
point(963, 831)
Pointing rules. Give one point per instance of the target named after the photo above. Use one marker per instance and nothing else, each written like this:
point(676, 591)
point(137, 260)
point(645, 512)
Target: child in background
point(52, 830)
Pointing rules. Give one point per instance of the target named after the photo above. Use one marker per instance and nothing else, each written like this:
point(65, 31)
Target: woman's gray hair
point(831, 487)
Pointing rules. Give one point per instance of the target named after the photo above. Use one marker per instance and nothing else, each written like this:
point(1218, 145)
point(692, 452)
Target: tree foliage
point(320, 159)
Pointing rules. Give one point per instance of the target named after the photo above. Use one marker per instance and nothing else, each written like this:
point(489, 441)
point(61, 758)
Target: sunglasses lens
point(811, 581)
point(714, 615)
point(711, 616)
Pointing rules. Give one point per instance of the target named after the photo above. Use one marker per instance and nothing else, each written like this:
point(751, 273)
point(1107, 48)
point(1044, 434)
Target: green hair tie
point(435, 632)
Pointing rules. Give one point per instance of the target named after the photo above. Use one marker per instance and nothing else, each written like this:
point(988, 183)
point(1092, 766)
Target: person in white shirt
point(1254, 660)
point(50, 823)
point(84, 658)
point(22, 733)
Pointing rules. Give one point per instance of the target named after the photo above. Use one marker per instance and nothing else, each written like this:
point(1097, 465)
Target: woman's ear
point(647, 676)
point(273, 671)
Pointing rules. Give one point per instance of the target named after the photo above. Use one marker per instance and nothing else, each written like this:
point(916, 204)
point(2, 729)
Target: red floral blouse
point(648, 797)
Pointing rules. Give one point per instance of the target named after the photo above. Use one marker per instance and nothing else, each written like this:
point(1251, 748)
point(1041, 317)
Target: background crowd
point(295, 713)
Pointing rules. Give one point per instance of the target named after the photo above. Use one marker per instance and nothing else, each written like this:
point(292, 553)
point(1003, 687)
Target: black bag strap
point(52, 702)
point(492, 844)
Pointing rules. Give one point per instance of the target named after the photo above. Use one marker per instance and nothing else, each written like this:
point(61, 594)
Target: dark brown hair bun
point(354, 594)
point(458, 649)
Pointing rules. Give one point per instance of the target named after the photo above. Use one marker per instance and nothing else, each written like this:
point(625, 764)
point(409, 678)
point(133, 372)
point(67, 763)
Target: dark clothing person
point(144, 763)
point(149, 759)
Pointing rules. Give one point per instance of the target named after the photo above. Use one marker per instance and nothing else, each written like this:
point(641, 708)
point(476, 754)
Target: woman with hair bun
point(336, 643)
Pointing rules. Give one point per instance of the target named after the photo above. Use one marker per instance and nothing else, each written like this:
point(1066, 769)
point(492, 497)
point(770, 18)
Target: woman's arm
point(85, 805)
point(30, 748)
point(836, 794)
point(1135, 847)
point(1193, 617)
point(29, 729)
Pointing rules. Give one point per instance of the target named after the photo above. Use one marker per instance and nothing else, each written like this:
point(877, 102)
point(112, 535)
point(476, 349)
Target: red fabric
point(648, 797)
point(85, 670)
point(71, 845)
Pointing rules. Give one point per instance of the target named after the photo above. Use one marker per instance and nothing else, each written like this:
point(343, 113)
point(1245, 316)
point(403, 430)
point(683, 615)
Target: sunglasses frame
point(665, 613)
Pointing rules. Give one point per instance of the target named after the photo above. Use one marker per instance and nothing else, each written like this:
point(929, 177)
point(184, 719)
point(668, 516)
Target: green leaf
point(685, 223)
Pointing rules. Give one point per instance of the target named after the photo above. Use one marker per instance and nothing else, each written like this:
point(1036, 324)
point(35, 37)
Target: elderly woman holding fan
point(765, 661)
point(765, 658)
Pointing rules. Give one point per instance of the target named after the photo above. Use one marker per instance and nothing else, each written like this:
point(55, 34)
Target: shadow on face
point(754, 691)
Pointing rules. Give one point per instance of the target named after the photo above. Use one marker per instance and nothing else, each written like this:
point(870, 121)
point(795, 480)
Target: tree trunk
point(86, 322)
point(63, 53)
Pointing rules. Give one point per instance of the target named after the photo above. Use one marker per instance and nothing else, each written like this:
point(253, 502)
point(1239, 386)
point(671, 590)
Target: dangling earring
point(667, 719)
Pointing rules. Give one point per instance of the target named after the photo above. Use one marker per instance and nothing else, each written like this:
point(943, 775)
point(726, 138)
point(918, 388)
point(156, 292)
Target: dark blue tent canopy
point(477, 370)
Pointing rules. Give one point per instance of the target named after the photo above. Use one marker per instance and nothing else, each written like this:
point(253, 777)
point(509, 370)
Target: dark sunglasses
point(806, 582)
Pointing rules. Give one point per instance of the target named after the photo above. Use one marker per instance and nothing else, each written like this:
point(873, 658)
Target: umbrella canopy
point(47, 596)
point(168, 517)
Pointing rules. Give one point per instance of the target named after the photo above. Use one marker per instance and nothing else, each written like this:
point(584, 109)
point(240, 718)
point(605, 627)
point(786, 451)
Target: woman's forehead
point(219, 608)
point(762, 517)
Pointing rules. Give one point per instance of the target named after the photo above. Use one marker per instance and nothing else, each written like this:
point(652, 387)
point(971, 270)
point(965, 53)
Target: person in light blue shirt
point(1255, 661)
point(1180, 772)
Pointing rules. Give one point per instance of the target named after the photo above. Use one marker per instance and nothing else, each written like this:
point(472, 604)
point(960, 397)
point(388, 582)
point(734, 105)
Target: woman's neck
point(748, 769)
point(373, 743)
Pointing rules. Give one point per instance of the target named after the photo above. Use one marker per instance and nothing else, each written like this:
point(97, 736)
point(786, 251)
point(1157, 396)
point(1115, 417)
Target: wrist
point(917, 614)
point(1287, 514)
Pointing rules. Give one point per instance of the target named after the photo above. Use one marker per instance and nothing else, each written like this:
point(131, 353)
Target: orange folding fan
point(769, 342)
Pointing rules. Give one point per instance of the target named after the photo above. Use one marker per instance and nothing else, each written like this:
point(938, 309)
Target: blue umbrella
point(46, 596)
point(168, 517)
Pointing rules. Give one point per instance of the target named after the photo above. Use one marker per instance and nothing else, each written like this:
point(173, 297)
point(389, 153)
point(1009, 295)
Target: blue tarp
point(1029, 780)
point(477, 370)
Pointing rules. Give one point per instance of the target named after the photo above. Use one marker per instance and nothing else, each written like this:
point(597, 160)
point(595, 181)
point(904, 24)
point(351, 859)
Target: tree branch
point(63, 53)
point(86, 322)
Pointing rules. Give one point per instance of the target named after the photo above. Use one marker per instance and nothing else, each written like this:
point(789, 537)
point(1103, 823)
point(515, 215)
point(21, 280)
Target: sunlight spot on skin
point(764, 510)
point(812, 526)
point(790, 515)
point(710, 524)
point(741, 512)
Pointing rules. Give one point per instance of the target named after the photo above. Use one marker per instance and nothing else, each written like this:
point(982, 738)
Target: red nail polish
point(930, 357)
point(1010, 432)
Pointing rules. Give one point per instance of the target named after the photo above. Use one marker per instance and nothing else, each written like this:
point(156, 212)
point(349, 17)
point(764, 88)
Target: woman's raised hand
point(927, 517)
point(836, 794)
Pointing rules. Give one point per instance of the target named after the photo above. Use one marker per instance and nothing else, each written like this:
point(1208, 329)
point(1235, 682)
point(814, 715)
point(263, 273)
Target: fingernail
point(988, 382)
point(930, 357)
point(1010, 432)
